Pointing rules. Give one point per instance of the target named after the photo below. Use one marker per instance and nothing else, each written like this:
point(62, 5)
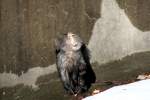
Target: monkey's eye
point(65, 34)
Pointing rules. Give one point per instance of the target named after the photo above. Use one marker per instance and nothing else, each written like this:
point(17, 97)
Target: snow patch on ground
point(134, 91)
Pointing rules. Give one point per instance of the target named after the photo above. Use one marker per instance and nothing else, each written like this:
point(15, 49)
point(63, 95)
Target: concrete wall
point(112, 29)
point(28, 28)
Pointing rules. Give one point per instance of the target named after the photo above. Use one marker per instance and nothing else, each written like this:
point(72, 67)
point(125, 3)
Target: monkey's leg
point(66, 81)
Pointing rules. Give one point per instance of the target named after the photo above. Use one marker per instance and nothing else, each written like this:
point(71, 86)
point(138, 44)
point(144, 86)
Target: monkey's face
point(72, 42)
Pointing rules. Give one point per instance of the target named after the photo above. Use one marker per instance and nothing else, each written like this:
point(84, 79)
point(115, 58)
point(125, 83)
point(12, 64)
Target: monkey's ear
point(57, 45)
point(58, 40)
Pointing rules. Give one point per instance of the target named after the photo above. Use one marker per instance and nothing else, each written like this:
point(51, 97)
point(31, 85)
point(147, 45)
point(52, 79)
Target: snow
point(134, 91)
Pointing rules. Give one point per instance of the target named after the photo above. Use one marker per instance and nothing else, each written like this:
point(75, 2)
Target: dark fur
point(74, 67)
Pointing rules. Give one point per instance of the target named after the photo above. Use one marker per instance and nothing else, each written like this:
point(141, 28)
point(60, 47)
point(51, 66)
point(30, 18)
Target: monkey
point(73, 64)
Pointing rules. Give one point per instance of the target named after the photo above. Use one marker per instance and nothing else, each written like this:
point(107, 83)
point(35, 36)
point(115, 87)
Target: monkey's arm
point(90, 75)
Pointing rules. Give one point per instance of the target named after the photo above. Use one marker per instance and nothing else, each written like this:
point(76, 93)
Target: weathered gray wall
point(28, 28)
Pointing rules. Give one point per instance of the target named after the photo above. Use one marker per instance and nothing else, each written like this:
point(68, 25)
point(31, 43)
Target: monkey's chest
point(71, 61)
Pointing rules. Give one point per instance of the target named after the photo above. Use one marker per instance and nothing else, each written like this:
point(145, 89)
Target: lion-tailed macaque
point(73, 65)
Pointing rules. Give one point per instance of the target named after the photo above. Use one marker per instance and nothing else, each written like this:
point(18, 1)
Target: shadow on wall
point(138, 12)
point(128, 68)
point(114, 36)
